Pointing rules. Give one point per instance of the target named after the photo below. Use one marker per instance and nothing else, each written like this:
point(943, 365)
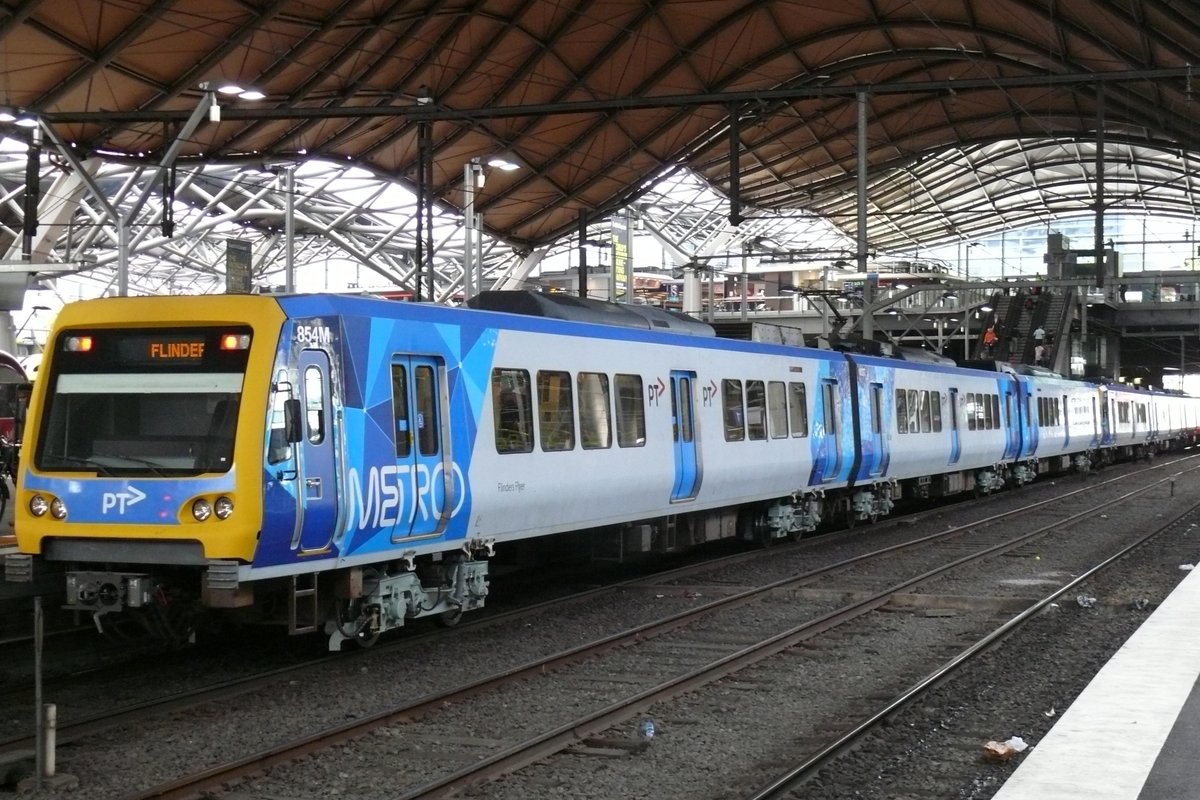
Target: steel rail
point(90, 725)
point(789, 780)
point(553, 741)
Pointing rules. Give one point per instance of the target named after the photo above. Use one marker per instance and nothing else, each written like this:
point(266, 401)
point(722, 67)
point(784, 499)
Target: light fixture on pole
point(231, 90)
point(503, 161)
point(966, 302)
point(474, 177)
point(18, 116)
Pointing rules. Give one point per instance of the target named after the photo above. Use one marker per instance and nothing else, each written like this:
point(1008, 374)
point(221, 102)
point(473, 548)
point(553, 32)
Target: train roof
point(582, 309)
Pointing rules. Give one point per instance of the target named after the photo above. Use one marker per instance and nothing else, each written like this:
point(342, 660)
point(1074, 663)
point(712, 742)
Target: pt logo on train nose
point(120, 500)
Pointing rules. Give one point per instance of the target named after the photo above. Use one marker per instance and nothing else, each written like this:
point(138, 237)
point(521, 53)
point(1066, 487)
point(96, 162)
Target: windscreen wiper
point(150, 465)
point(101, 469)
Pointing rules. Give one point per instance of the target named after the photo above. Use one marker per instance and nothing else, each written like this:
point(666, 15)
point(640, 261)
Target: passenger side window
point(279, 449)
point(926, 418)
point(512, 410)
point(631, 411)
point(595, 418)
point(777, 411)
point(876, 408)
point(901, 411)
point(400, 422)
point(731, 405)
point(556, 419)
point(314, 404)
point(427, 410)
point(756, 410)
point(829, 417)
point(798, 409)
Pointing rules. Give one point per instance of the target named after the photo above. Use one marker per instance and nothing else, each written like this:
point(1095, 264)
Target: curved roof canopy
point(978, 114)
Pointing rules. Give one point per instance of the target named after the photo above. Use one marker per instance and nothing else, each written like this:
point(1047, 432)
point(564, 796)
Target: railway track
point(701, 673)
point(790, 781)
point(679, 579)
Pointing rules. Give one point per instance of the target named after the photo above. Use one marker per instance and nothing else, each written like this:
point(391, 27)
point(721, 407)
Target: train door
point(955, 443)
point(317, 463)
point(828, 463)
point(878, 460)
point(1108, 418)
point(683, 423)
point(416, 411)
point(1030, 419)
point(1066, 422)
point(1012, 424)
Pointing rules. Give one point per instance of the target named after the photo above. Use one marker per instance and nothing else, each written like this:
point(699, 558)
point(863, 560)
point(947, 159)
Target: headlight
point(201, 510)
point(58, 509)
point(38, 505)
point(223, 507)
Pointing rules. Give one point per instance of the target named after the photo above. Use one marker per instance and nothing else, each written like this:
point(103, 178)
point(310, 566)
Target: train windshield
point(138, 404)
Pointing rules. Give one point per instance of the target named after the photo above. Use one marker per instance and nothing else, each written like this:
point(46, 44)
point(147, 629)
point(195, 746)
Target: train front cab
point(140, 461)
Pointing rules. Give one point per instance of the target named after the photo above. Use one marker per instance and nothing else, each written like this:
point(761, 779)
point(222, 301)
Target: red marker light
point(235, 341)
point(79, 344)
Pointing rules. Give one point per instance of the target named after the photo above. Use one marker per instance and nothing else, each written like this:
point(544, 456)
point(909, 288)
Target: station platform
point(1134, 732)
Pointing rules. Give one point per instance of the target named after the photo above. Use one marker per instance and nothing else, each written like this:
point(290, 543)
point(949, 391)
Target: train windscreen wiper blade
point(150, 465)
point(101, 469)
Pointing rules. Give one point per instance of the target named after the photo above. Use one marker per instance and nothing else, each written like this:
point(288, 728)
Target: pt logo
point(120, 500)
point(657, 390)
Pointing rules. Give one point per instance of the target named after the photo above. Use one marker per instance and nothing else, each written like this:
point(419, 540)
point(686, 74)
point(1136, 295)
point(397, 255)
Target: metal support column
point(422, 189)
point(289, 229)
point(583, 268)
point(1099, 243)
point(33, 185)
point(868, 323)
point(471, 171)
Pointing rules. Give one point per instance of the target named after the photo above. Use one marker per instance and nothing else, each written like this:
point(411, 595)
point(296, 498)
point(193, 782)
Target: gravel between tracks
point(715, 743)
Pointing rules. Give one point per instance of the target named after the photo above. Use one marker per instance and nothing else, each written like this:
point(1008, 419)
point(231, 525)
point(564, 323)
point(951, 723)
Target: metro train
point(344, 463)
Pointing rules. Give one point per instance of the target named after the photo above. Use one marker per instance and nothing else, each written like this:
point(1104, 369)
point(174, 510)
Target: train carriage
point(944, 429)
point(1064, 421)
point(1126, 419)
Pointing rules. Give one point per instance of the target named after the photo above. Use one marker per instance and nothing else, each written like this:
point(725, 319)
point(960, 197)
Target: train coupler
point(107, 592)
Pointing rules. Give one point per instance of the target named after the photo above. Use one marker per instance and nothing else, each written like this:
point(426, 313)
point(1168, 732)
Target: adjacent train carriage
point(14, 394)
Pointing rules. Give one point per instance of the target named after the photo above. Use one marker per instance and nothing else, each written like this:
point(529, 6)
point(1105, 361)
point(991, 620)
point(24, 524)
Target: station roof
point(980, 114)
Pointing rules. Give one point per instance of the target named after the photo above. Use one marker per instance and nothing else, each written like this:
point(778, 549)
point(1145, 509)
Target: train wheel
point(762, 531)
point(752, 526)
point(849, 516)
point(448, 619)
point(365, 640)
